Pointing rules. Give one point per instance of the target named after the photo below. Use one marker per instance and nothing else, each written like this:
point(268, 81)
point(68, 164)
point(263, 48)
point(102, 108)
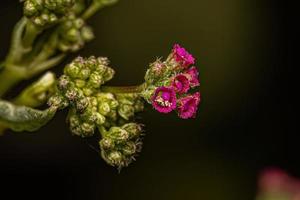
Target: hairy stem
point(123, 89)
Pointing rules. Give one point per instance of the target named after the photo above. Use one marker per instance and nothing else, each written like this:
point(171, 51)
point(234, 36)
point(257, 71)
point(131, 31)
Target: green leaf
point(22, 118)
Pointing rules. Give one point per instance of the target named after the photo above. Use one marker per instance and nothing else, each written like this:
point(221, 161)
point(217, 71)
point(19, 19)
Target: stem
point(31, 32)
point(34, 70)
point(101, 129)
point(38, 92)
point(16, 49)
point(9, 77)
point(123, 89)
point(94, 7)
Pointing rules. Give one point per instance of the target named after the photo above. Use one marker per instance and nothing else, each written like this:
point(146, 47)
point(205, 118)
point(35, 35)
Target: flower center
point(164, 100)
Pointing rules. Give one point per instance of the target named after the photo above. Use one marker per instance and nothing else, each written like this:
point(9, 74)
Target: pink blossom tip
point(181, 84)
point(188, 106)
point(193, 76)
point(182, 56)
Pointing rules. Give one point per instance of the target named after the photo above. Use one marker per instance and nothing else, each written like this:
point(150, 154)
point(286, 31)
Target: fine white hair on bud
point(120, 145)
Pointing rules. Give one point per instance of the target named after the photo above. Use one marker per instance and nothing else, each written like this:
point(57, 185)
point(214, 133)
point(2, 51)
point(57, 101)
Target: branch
point(22, 118)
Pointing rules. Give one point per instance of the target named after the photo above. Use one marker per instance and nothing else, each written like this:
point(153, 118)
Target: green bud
point(104, 108)
point(148, 92)
point(58, 101)
point(87, 33)
point(87, 129)
point(114, 158)
point(44, 13)
point(107, 143)
point(31, 8)
point(95, 80)
point(139, 106)
point(118, 133)
point(126, 111)
point(79, 83)
point(73, 34)
point(73, 70)
point(81, 104)
point(63, 82)
point(129, 148)
point(133, 129)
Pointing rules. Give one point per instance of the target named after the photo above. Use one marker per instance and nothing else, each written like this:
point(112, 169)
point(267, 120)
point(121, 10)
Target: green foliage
point(22, 118)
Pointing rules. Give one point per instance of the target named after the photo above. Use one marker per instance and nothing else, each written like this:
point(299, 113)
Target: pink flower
point(164, 99)
point(182, 56)
point(188, 106)
point(181, 84)
point(193, 76)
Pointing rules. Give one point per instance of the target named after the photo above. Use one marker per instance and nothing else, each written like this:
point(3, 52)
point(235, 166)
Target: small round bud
point(118, 133)
point(133, 129)
point(126, 111)
point(81, 104)
point(107, 143)
point(87, 33)
point(104, 108)
point(87, 129)
point(129, 148)
point(58, 101)
point(115, 158)
point(95, 80)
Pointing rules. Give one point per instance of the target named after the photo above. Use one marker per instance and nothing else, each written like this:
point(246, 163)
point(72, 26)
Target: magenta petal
point(188, 106)
point(193, 76)
point(164, 99)
point(182, 56)
point(181, 84)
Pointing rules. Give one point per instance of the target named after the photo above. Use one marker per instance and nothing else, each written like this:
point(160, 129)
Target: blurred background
point(244, 123)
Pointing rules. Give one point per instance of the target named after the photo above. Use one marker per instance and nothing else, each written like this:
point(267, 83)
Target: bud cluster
point(129, 104)
point(120, 145)
point(73, 33)
point(80, 88)
point(168, 83)
point(46, 12)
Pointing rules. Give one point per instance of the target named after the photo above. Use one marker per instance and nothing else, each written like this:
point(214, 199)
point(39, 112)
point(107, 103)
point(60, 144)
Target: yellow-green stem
point(123, 89)
point(9, 77)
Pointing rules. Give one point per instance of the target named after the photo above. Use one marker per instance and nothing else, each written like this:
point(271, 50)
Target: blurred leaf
point(22, 118)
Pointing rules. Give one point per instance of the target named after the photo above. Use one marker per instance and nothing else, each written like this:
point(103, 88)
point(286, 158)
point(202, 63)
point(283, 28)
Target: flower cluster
point(90, 107)
point(46, 12)
point(78, 87)
point(73, 33)
point(277, 184)
point(120, 145)
point(168, 84)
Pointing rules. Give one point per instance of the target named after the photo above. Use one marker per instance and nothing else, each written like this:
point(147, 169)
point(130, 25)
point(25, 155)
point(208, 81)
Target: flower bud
point(107, 143)
point(45, 13)
point(133, 129)
point(126, 111)
point(58, 101)
point(104, 108)
point(118, 134)
point(73, 34)
point(114, 158)
point(129, 148)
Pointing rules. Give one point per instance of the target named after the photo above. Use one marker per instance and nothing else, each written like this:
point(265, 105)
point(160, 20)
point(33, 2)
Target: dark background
point(245, 122)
